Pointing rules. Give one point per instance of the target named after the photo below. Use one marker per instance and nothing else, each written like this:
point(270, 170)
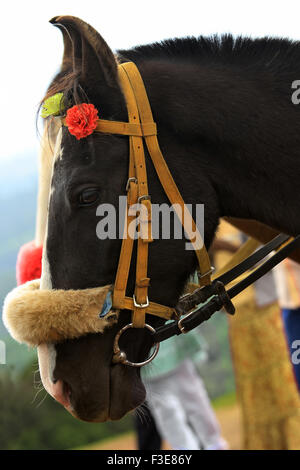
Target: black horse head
point(87, 173)
point(229, 133)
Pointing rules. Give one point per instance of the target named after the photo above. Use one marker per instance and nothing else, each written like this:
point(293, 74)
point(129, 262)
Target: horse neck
point(231, 141)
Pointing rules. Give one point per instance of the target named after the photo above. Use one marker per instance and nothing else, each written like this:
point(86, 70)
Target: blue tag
point(106, 306)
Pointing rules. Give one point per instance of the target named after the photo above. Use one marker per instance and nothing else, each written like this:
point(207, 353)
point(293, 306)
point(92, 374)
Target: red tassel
point(29, 263)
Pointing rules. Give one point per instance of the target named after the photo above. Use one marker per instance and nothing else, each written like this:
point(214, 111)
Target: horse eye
point(89, 197)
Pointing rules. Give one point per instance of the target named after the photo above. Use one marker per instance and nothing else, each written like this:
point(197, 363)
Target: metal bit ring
point(120, 356)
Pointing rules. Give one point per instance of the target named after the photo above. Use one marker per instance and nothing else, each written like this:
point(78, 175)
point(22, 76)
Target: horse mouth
point(118, 404)
point(105, 393)
point(134, 396)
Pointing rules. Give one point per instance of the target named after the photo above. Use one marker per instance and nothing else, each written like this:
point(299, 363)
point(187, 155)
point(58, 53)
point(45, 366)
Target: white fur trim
point(36, 316)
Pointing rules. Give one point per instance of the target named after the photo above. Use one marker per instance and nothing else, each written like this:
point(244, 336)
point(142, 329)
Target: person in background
point(265, 385)
point(177, 397)
point(287, 278)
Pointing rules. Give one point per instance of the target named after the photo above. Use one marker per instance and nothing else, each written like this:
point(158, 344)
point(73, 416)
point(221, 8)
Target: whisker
point(142, 413)
point(36, 395)
point(43, 399)
point(36, 383)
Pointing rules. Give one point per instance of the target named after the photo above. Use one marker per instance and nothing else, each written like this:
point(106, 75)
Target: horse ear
point(89, 58)
point(67, 62)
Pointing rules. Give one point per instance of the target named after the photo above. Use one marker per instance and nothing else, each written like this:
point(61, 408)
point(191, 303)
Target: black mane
point(275, 55)
point(226, 48)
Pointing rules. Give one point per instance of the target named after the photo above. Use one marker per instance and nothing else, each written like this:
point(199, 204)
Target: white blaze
point(47, 352)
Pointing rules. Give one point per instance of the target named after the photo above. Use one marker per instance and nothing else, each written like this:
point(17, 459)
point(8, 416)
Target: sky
point(31, 48)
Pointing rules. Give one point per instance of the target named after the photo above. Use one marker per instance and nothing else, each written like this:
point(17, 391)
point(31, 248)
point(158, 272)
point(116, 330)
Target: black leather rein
point(215, 297)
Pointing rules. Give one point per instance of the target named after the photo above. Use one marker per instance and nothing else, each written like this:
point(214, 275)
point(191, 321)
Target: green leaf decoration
point(53, 105)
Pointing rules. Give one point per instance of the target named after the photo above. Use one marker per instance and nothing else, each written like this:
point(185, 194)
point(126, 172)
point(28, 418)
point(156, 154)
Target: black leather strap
point(265, 267)
point(253, 259)
point(189, 301)
point(221, 298)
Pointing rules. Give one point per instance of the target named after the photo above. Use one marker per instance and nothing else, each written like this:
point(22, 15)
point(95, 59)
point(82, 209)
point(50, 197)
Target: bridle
point(141, 127)
point(141, 130)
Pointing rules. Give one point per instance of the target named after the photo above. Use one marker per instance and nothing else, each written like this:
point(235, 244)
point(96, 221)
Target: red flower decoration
point(82, 120)
point(29, 263)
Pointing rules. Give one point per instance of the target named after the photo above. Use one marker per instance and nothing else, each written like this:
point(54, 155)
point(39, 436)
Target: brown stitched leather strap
point(137, 156)
point(125, 128)
point(165, 176)
point(141, 287)
point(154, 308)
point(132, 197)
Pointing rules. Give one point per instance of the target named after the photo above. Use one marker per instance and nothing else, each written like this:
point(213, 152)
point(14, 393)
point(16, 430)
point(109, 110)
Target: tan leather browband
point(142, 127)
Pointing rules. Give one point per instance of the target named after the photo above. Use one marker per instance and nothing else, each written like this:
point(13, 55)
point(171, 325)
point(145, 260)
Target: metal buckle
point(179, 322)
point(140, 305)
point(210, 271)
point(129, 181)
point(142, 198)
point(120, 356)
